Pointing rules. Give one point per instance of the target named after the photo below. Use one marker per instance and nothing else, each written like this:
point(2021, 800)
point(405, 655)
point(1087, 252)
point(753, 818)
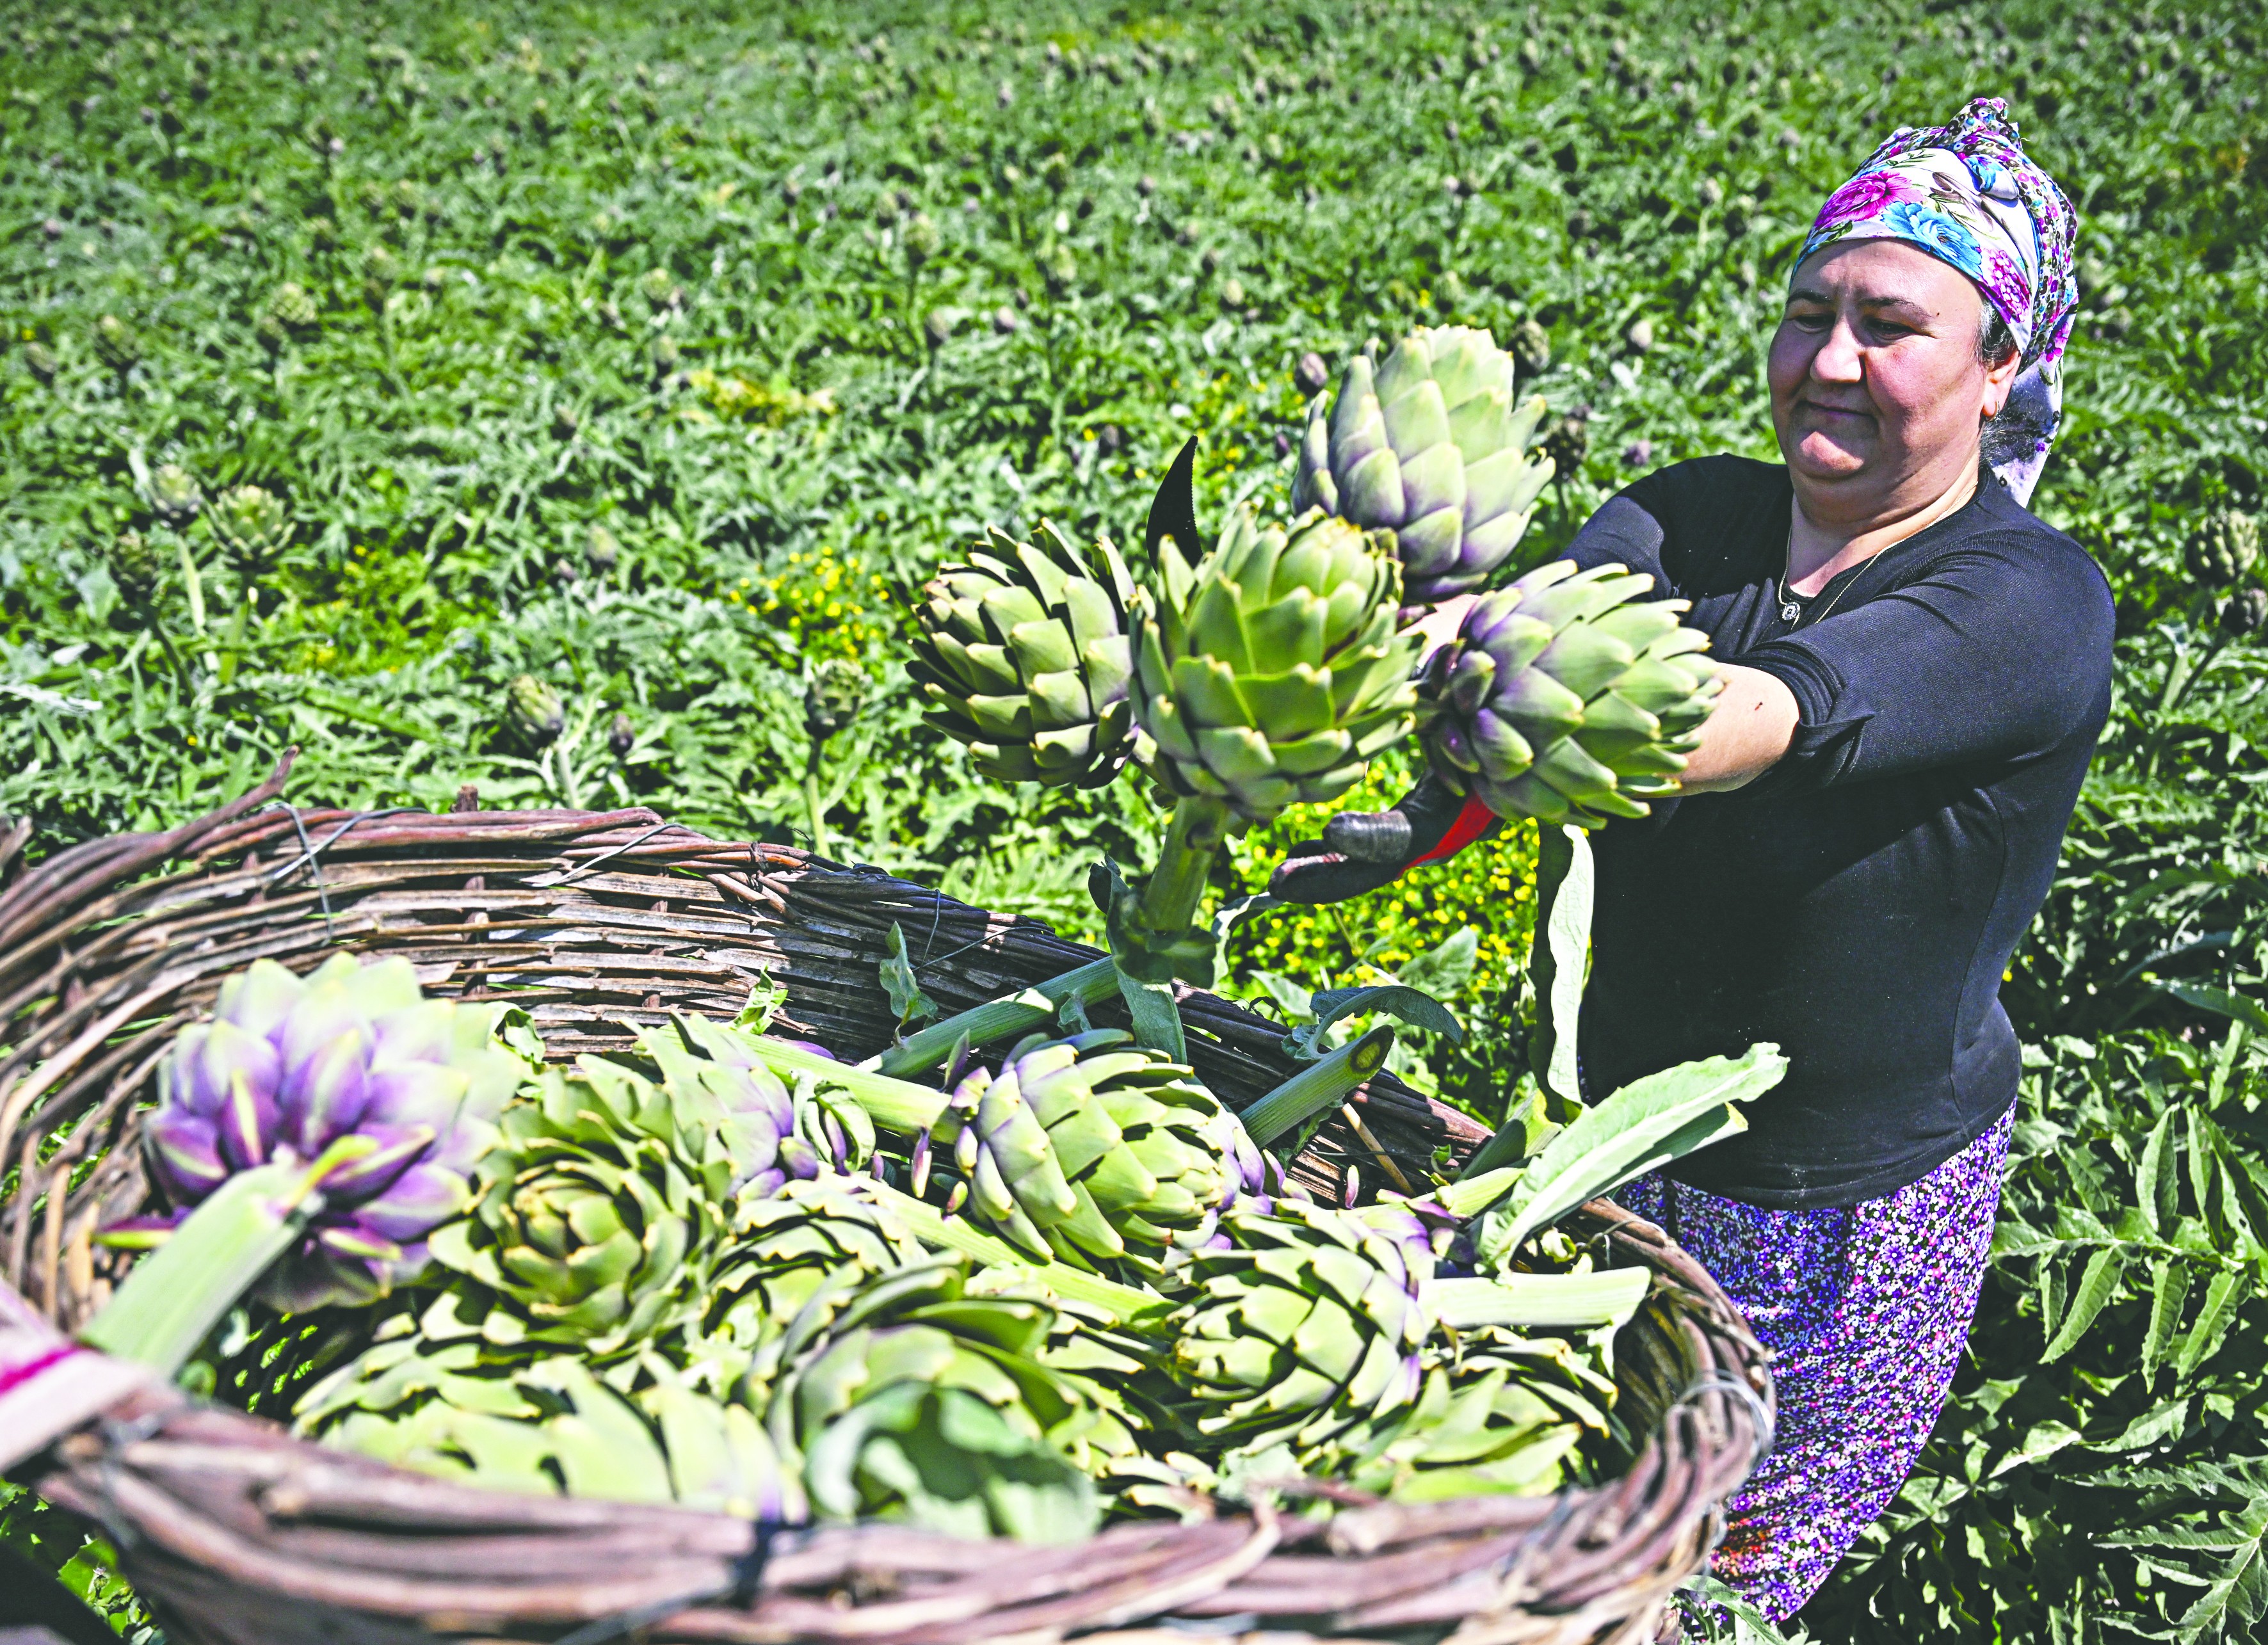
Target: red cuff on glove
point(1472, 822)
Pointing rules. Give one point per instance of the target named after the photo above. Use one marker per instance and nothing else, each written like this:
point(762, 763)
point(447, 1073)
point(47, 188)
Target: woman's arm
point(1745, 734)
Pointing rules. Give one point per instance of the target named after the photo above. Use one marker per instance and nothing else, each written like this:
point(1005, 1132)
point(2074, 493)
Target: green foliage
point(2102, 1469)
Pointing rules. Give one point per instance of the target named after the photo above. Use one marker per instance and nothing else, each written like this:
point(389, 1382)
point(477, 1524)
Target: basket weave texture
point(598, 924)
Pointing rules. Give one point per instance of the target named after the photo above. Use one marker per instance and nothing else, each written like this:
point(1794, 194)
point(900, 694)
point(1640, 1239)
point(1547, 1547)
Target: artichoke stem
point(1317, 1089)
point(1176, 889)
point(997, 1019)
point(816, 807)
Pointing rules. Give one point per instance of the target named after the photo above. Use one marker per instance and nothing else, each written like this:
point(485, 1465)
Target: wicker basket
point(600, 922)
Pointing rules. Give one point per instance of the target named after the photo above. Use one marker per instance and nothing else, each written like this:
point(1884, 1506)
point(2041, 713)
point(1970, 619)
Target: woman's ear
point(1999, 381)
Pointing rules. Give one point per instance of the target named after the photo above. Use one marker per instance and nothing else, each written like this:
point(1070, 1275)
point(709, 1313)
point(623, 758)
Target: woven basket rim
point(124, 946)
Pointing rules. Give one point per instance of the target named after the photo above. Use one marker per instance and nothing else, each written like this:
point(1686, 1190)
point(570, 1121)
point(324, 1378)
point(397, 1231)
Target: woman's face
point(1877, 394)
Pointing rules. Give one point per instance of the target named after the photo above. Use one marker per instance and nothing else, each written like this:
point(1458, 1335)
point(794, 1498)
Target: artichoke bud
point(1531, 348)
point(1024, 654)
point(598, 1219)
point(1090, 1149)
point(601, 550)
point(533, 711)
point(288, 1068)
point(893, 1396)
point(1300, 1325)
point(291, 307)
point(2224, 546)
point(115, 342)
point(832, 696)
point(1568, 697)
point(922, 240)
point(1270, 673)
point(1568, 442)
point(1432, 445)
point(812, 1235)
point(254, 515)
point(134, 564)
point(173, 492)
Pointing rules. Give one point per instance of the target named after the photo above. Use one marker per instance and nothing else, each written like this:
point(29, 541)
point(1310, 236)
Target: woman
point(1917, 669)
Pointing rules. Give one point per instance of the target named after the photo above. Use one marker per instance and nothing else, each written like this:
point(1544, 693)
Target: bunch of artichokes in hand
point(1267, 668)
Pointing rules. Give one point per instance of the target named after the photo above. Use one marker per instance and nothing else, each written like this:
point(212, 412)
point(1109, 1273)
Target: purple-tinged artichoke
point(700, 1064)
point(289, 1067)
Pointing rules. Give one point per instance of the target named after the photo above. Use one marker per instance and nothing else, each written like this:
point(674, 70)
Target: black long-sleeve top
point(1858, 903)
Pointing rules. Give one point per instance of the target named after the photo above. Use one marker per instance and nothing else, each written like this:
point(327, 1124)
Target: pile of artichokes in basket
point(1016, 1274)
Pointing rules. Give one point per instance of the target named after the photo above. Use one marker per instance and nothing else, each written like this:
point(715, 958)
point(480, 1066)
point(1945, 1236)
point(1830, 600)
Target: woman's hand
point(1745, 735)
point(1438, 627)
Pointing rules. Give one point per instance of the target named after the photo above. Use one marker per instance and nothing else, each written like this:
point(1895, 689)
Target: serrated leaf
point(2211, 1322)
point(2096, 1286)
point(2157, 1186)
point(2169, 1289)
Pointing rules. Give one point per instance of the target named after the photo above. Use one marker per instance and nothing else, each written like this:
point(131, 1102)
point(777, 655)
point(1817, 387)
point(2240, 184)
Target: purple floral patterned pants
point(1867, 1310)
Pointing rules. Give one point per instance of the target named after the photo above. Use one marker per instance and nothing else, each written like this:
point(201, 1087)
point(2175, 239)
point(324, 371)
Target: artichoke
point(1023, 655)
point(293, 1069)
point(173, 492)
point(115, 342)
point(1566, 698)
point(832, 697)
point(1502, 1414)
point(136, 565)
point(533, 710)
point(2224, 546)
point(1308, 1322)
point(433, 1396)
point(598, 1217)
point(1082, 1149)
point(825, 1235)
point(1430, 447)
point(291, 307)
point(912, 1398)
point(1273, 673)
point(755, 1113)
point(253, 518)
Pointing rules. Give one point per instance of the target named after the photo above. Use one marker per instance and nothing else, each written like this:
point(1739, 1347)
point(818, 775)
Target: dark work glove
point(1362, 850)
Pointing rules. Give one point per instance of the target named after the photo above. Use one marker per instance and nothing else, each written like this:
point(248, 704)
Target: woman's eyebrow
point(1812, 294)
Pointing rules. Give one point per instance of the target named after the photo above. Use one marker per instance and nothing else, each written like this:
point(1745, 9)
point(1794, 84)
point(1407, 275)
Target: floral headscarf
point(1966, 194)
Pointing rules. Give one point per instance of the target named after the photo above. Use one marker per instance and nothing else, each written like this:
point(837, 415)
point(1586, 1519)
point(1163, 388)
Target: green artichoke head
point(821, 1237)
point(2224, 546)
point(431, 1395)
point(173, 492)
point(1568, 697)
point(1023, 653)
point(291, 307)
point(1431, 446)
point(832, 693)
point(911, 1398)
point(599, 1216)
point(1270, 673)
point(1084, 1149)
point(1301, 1323)
point(254, 516)
point(532, 710)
